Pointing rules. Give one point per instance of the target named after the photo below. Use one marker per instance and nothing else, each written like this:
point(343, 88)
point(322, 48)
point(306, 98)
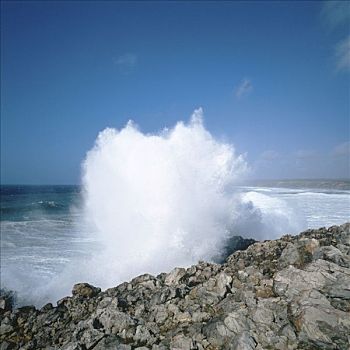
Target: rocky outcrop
point(291, 293)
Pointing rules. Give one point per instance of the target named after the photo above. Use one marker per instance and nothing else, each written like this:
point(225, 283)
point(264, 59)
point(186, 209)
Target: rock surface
point(291, 293)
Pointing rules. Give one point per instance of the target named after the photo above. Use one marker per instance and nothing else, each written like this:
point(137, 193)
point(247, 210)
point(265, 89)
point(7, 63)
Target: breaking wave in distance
point(169, 199)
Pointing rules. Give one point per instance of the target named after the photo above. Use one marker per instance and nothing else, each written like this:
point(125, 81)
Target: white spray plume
point(160, 200)
point(164, 200)
point(155, 202)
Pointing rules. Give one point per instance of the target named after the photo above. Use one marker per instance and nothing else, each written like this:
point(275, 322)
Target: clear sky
point(271, 77)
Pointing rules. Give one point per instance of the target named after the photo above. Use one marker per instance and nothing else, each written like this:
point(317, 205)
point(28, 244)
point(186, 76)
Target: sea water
point(42, 230)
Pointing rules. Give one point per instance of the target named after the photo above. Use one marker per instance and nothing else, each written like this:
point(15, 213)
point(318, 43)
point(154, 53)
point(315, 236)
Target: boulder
point(7, 300)
point(85, 290)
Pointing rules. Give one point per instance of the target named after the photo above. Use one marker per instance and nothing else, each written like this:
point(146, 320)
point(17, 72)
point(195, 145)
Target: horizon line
point(242, 181)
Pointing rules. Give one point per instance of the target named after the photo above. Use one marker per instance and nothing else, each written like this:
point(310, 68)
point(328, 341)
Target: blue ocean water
point(22, 203)
point(43, 229)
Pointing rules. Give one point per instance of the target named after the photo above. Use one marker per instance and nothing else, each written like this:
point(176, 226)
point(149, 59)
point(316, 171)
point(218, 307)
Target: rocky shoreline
point(290, 293)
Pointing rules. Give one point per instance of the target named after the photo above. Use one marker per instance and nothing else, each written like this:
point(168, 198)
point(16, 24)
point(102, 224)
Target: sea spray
point(150, 202)
point(168, 199)
point(160, 200)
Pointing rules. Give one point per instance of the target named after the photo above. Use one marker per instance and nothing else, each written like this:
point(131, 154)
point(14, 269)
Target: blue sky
point(271, 77)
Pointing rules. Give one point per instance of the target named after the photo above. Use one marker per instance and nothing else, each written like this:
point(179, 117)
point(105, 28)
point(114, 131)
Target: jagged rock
point(289, 256)
point(111, 343)
point(292, 293)
point(112, 320)
point(175, 276)
point(7, 299)
point(333, 254)
point(85, 290)
point(181, 342)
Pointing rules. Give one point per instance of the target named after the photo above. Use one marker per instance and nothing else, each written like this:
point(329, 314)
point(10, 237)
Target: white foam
point(165, 200)
point(151, 202)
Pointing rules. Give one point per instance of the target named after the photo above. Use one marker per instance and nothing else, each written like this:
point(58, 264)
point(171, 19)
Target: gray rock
point(243, 342)
point(111, 343)
point(7, 299)
point(291, 293)
point(181, 342)
point(5, 345)
point(143, 335)
point(334, 255)
point(85, 290)
point(174, 276)
point(236, 323)
point(289, 256)
point(114, 321)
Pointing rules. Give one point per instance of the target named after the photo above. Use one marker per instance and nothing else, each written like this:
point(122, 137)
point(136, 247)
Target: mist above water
point(151, 202)
point(168, 199)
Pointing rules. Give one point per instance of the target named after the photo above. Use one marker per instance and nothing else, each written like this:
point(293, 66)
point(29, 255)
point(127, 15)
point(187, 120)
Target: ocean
point(42, 231)
point(46, 239)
